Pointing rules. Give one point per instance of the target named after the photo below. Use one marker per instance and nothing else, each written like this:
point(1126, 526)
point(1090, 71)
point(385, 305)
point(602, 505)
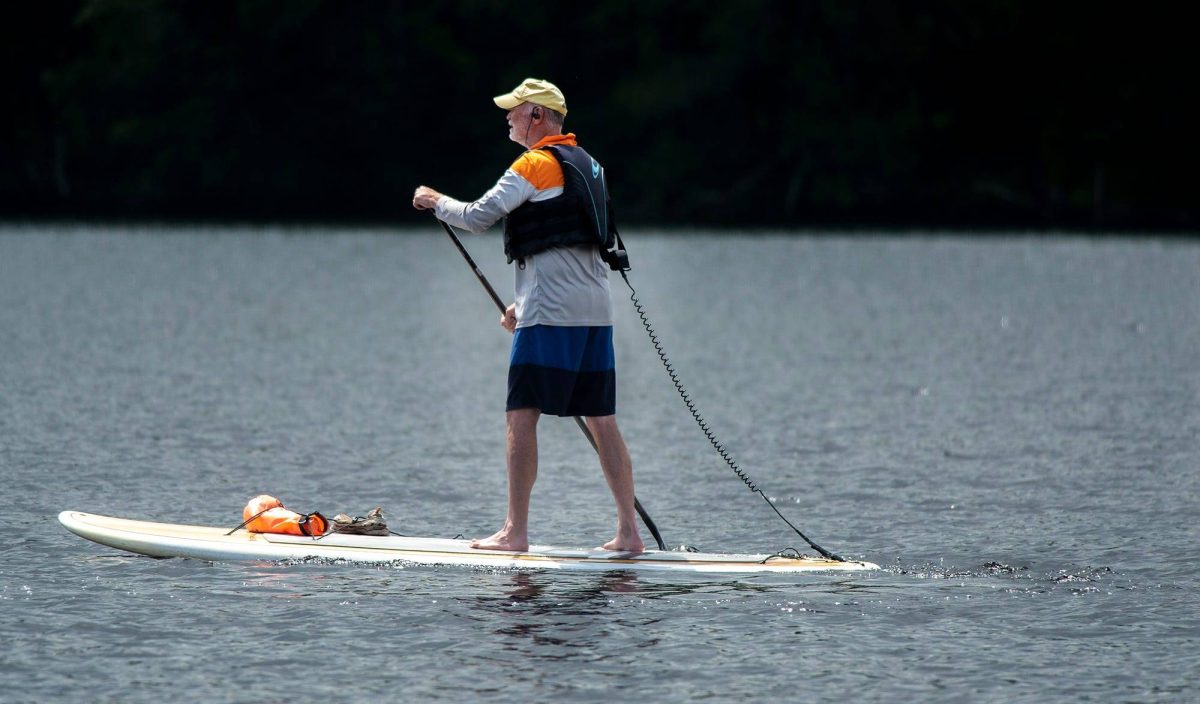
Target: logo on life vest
point(595, 169)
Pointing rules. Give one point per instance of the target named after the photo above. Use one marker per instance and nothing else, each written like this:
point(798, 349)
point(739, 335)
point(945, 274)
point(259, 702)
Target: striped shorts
point(563, 371)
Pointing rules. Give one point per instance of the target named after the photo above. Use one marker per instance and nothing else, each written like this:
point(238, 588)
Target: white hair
point(554, 117)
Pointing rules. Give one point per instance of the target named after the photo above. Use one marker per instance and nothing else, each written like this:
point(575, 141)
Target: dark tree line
point(989, 113)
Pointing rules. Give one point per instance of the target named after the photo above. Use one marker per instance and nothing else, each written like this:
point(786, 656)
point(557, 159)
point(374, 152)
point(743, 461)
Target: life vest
point(580, 215)
point(266, 514)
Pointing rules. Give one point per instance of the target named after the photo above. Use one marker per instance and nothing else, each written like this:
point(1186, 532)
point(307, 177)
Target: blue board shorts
point(563, 371)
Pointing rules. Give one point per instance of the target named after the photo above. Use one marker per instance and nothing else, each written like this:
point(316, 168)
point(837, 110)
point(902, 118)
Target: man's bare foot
point(502, 540)
point(626, 542)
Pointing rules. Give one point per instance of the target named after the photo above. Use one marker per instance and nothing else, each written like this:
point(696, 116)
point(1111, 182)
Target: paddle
point(578, 421)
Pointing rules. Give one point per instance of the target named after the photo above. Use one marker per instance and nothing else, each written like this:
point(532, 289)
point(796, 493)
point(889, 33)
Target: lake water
point(1009, 425)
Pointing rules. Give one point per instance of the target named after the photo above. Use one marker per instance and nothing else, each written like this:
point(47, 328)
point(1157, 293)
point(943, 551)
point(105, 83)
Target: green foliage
point(714, 113)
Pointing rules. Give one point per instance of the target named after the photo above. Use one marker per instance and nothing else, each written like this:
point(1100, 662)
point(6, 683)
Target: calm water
point(1008, 425)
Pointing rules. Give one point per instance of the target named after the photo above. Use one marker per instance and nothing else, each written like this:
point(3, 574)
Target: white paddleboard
point(210, 543)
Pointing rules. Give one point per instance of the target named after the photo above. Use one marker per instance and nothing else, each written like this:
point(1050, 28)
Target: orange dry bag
point(266, 514)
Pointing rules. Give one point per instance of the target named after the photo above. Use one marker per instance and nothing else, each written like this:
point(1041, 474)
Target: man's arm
point(501, 199)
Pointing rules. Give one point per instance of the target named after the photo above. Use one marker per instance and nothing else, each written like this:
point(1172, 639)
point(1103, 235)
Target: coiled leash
point(618, 261)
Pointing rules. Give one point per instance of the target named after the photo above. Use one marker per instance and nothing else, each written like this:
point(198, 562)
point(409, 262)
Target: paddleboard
point(213, 543)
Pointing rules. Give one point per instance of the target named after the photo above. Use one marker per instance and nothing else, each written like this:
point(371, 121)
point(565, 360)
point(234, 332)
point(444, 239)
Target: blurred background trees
point(749, 113)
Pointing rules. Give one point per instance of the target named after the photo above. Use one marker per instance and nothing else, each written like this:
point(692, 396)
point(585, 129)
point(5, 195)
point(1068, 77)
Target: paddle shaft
point(578, 421)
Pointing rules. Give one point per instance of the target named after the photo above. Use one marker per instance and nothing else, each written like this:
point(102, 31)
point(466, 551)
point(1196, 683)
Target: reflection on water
point(553, 618)
point(528, 586)
point(576, 594)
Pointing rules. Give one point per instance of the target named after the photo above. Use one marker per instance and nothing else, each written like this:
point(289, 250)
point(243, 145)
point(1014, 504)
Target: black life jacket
point(580, 215)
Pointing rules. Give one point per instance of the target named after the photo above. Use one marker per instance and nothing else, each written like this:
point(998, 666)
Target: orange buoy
point(266, 514)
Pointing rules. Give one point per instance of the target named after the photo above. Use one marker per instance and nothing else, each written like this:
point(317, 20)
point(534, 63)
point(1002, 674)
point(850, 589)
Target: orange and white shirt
point(536, 175)
point(565, 286)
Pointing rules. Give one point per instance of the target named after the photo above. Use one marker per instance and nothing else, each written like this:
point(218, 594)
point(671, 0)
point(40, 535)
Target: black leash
point(247, 522)
point(708, 433)
point(578, 421)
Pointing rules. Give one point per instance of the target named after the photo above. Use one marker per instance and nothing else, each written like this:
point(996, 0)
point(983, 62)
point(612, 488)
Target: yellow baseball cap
point(537, 91)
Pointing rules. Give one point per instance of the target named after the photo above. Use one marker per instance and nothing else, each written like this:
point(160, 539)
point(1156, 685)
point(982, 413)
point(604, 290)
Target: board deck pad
point(212, 543)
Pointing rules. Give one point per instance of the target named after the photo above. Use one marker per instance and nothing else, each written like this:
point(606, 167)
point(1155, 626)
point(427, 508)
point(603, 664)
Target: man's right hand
point(425, 198)
point(508, 321)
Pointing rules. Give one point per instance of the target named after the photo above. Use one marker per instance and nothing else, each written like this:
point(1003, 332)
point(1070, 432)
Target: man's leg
point(618, 471)
point(522, 473)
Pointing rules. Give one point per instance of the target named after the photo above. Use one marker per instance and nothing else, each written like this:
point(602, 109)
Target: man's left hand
point(508, 321)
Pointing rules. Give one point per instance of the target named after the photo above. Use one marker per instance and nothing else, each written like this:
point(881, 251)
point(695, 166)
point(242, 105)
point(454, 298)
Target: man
point(562, 360)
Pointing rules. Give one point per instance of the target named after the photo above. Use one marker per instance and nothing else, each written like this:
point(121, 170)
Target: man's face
point(518, 122)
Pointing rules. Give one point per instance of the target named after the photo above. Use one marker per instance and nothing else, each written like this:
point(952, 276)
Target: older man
point(557, 229)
